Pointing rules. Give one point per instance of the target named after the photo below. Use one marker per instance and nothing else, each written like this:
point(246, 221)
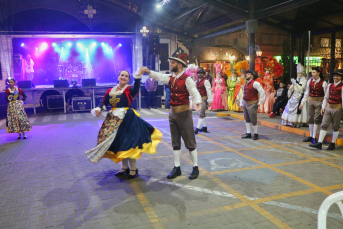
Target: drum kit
point(74, 74)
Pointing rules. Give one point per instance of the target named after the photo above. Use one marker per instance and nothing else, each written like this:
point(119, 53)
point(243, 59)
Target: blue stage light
point(53, 44)
point(93, 44)
point(120, 45)
point(102, 43)
point(22, 45)
point(79, 45)
point(69, 44)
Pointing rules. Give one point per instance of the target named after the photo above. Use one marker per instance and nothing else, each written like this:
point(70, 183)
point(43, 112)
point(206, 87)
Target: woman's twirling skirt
point(17, 120)
point(124, 138)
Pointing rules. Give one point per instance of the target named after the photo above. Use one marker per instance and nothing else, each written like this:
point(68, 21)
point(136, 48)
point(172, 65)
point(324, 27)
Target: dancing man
point(314, 93)
point(204, 88)
point(332, 110)
point(249, 101)
point(180, 116)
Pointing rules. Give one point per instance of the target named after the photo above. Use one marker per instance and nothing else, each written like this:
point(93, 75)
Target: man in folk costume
point(314, 93)
point(332, 110)
point(249, 100)
point(204, 88)
point(180, 116)
point(241, 68)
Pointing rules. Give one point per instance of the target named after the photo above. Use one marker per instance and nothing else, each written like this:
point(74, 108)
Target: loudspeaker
point(154, 43)
point(251, 26)
point(25, 84)
point(89, 82)
point(81, 103)
point(55, 101)
point(60, 83)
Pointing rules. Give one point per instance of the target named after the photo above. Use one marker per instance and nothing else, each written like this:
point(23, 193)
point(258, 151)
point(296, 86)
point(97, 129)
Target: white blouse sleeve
point(258, 87)
point(164, 78)
point(326, 97)
point(209, 92)
point(307, 92)
point(193, 91)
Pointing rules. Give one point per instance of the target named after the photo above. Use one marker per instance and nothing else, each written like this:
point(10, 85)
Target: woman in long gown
point(292, 115)
point(225, 94)
point(123, 136)
point(231, 83)
point(17, 121)
point(218, 89)
point(268, 87)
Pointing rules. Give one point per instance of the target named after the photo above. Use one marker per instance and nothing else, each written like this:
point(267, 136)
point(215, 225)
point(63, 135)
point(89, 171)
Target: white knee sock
point(322, 134)
point(315, 128)
point(177, 155)
point(335, 136)
point(194, 156)
point(310, 127)
point(204, 122)
point(255, 129)
point(125, 163)
point(132, 164)
point(248, 125)
point(200, 122)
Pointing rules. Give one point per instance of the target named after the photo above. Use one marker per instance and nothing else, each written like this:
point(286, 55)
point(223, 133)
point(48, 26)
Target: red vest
point(250, 93)
point(179, 94)
point(335, 96)
point(201, 87)
point(316, 90)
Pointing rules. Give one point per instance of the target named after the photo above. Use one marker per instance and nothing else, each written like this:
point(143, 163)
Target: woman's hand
point(98, 113)
point(10, 97)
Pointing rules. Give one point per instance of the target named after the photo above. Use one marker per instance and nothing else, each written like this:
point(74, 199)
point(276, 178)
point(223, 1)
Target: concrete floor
point(46, 181)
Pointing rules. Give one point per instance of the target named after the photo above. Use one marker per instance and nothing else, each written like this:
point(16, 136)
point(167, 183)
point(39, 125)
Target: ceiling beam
point(276, 25)
point(231, 12)
point(219, 21)
point(222, 32)
point(188, 12)
point(245, 11)
point(282, 7)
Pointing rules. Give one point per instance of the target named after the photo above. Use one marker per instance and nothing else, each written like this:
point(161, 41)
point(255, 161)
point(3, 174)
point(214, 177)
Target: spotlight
point(53, 44)
point(93, 44)
point(22, 45)
point(102, 43)
point(120, 45)
point(158, 6)
point(69, 44)
point(79, 45)
point(44, 45)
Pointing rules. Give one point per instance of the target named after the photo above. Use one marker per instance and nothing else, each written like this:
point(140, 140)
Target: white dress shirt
point(307, 92)
point(327, 95)
point(207, 85)
point(260, 90)
point(190, 84)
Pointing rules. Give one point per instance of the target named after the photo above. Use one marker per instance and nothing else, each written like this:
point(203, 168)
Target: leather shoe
point(195, 173)
point(317, 145)
point(314, 141)
point(271, 115)
point(127, 171)
point(196, 131)
point(308, 139)
point(175, 172)
point(247, 135)
point(133, 176)
point(204, 129)
point(332, 146)
point(255, 137)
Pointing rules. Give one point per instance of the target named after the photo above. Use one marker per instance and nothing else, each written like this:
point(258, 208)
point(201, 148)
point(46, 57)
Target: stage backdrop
point(73, 59)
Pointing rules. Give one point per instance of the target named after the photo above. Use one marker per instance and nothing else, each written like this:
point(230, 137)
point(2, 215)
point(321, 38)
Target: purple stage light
point(120, 45)
point(53, 44)
point(43, 46)
point(22, 45)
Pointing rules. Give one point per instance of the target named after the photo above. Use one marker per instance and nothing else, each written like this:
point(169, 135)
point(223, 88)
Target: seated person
point(280, 98)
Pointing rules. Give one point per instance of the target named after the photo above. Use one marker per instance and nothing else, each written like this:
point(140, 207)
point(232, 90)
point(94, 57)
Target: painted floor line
point(228, 195)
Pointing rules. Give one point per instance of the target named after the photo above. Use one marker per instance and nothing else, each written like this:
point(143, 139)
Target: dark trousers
point(277, 105)
point(151, 99)
point(166, 103)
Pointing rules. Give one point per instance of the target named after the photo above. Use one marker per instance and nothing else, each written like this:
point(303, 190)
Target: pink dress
point(268, 86)
point(218, 87)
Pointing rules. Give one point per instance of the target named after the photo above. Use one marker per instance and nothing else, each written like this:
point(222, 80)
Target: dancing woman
point(123, 136)
point(17, 121)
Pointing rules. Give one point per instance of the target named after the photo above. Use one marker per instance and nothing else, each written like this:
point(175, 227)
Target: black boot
point(195, 173)
point(196, 131)
point(175, 172)
point(127, 171)
point(332, 146)
point(132, 176)
point(317, 145)
point(314, 141)
point(255, 137)
point(308, 139)
point(247, 135)
point(204, 129)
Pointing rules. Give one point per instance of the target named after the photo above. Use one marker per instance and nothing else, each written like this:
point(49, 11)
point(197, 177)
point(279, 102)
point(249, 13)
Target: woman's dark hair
point(318, 69)
point(125, 71)
point(12, 80)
